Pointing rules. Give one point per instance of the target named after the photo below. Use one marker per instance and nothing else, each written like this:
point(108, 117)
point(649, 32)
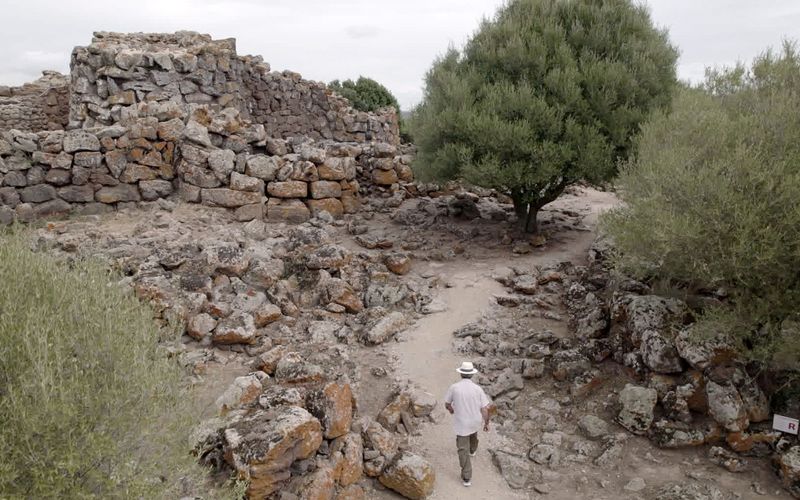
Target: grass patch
point(91, 406)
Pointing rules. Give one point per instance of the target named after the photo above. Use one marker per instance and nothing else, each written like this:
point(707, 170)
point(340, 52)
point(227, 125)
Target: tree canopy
point(365, 94)
point(711, 204)
point(547, 93)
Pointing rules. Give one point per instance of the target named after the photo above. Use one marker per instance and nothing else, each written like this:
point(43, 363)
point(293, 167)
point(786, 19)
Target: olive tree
point(711, 203)
point(546, 93)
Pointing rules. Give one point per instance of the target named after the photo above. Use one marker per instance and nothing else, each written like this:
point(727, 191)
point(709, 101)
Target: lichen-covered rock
point(659, 352)
point(398, 263)
point(293, 369)
point(328, 257)
point(318, 485)
point(347, 459)
point(227, 258)
point(386, 328)
point(410, 475)
point(238, 328)
point(333, 406)
point(262, 446)
point(242, 391)
point(725, 405)
point(380, 448)
point(200, 326)
point(340, 292)
point(637, 405)
point(266, 314)
point(702, 352)
point(391, 414)
point(515, 468)
point(787, 465)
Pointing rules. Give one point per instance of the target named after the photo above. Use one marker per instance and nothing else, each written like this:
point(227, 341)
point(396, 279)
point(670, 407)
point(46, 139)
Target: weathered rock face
point(262, 446)
point(347, 459)
point(333, 406)
point(386, 328)
point(410, 475)
point(787, 465)
point(637, 404)
point(516, 469)
point(726, 406)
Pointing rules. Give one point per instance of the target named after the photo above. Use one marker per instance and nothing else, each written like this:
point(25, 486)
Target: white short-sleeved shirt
point(467, 398)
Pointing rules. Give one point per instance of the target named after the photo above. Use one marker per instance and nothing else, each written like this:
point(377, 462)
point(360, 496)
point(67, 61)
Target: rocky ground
point(321, 350)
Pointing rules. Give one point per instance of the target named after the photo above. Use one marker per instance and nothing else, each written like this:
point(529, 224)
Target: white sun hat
point(466, 368)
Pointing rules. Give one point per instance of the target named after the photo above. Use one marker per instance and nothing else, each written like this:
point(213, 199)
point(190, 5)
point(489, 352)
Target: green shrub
point(365, 94)
point(90, 406)
point(711, 203)
point(547, 93)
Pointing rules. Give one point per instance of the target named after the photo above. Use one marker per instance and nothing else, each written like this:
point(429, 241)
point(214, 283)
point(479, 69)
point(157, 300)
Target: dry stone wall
point(39, 105)
point(118, 70)
point(158, 149)
point(157, 115)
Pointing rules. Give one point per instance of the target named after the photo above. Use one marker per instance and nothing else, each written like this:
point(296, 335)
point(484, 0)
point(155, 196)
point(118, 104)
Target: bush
point(711, 203)
point(547, 93)
point(90, 405)
point(365, 94)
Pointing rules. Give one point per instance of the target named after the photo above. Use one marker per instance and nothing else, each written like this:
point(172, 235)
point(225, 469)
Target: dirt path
point(427, 357)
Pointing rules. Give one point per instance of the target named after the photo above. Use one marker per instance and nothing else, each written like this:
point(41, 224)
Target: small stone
point(636, 484)
point(398, 263)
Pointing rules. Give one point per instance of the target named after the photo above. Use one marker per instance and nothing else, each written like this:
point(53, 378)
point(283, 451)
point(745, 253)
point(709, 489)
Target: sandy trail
point(427, 357)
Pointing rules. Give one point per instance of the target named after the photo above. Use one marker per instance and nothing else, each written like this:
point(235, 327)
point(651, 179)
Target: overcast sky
point(391, 41)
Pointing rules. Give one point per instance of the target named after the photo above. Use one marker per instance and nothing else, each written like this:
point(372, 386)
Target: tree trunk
point(532, 220)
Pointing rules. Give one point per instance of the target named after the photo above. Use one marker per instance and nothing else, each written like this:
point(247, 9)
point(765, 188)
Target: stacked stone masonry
point(158, 149)
point(39, 105)
point(118, 70)
point(155, 116)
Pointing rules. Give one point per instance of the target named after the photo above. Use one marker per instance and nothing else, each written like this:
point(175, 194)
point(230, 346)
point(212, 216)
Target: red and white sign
point(785, 424)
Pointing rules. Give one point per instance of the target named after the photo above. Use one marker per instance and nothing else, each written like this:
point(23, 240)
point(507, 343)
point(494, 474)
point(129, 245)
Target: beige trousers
point(466, 445)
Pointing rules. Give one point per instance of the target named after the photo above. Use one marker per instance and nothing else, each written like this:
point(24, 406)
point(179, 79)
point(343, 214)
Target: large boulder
point(262, 446)
point(333, 406)
point(637, 314)
point(410, 475)
point(726, 406)
point(637, 405)
point(701, 352)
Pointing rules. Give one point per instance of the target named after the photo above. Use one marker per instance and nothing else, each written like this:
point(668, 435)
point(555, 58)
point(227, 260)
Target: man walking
point(469, 405)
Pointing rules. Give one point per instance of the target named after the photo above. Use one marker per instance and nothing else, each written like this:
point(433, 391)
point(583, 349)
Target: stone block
point(325, 189)
point(223, 197)
point(287, 211)
point(331, 205)
point(288, 189)
point(118, 193)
